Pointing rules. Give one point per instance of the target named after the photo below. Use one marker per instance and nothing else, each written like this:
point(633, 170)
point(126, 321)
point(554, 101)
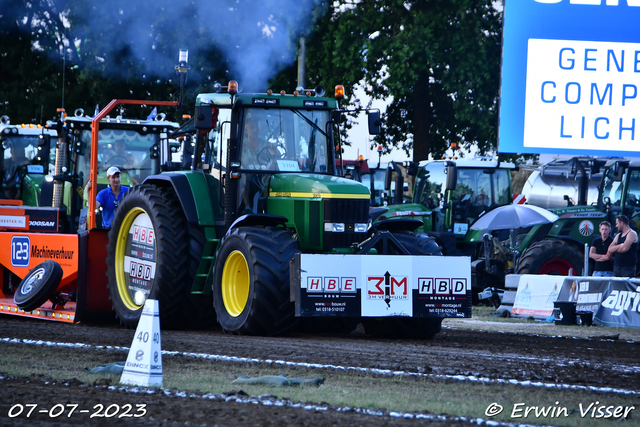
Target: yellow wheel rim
point(235, 283)
point(121, 246)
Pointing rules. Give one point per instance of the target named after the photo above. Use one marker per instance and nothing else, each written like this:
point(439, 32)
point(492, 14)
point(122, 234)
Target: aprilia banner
point(620, 305)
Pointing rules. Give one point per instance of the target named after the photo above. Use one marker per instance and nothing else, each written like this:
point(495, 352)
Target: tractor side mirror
point(374, 122)
point(452, 176)
point(203, 116)
point(387, 178)
point(618, 172)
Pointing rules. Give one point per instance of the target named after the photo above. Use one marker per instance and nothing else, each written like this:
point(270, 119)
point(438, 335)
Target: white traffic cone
point(144, 362)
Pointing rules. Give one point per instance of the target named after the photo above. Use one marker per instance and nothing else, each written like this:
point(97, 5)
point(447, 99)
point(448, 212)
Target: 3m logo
point(442, 286)
point(143, 235)
point(140, 270)
point(387, 287)
point(20, 251)
point(331, 284)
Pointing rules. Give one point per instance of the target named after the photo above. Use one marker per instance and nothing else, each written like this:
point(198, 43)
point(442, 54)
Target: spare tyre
point(38, 286)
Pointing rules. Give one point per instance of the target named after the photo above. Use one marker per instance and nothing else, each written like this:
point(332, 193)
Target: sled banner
point(570, 77)
point(381, 285)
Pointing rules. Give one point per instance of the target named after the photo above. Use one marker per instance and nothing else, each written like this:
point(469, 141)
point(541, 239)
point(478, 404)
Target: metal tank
point(549, 186)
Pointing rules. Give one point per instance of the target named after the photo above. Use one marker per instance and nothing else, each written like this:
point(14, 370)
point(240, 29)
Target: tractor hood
point(316, 186)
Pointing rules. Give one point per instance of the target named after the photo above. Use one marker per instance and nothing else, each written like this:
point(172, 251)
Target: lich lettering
point(595, 2)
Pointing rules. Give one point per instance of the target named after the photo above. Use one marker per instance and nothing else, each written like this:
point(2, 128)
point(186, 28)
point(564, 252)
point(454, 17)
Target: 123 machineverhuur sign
point(571, 77)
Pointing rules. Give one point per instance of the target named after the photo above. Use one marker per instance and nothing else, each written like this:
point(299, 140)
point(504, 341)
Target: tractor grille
point(349, 212)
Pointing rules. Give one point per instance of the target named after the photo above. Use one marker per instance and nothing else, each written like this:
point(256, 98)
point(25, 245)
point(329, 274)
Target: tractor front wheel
point(251, 281)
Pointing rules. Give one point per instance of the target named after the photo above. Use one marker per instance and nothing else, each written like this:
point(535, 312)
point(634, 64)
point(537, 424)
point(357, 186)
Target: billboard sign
point(571, 77)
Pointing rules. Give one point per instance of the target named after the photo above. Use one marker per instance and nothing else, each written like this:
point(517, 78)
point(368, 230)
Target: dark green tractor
point(28, 155)
point(257, 226)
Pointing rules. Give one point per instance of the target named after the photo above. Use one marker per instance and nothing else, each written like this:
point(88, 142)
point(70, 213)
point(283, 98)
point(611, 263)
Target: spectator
point(109, 197)
point(598, 251)
point(624, 249)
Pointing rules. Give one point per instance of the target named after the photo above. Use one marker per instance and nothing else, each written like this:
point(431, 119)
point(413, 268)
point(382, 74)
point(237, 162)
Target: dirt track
point(495, 355)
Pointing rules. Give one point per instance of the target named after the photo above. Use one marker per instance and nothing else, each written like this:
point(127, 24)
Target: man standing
point(110, 196)
point(624, 249)
point(598, 251)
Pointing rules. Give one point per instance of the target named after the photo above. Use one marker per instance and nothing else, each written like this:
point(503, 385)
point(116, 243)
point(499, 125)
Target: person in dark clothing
point(624, 249)
point(598, 251)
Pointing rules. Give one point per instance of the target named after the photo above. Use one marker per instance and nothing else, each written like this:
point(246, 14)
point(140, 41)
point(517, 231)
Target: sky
point(361, 140)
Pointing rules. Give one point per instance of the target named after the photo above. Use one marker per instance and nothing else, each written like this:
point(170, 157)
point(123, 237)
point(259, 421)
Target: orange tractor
point(52, 262)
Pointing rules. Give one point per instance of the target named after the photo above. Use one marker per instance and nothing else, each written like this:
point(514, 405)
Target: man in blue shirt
point(110, 196)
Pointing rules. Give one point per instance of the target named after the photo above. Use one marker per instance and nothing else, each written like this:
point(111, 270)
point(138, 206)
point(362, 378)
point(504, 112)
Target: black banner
point(587, 292)
point(620, 305)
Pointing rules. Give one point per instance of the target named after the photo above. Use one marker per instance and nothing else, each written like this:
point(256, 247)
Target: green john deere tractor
point(259, 228)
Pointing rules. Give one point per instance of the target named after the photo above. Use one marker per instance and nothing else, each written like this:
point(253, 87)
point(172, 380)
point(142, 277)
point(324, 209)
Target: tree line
point(437, 62)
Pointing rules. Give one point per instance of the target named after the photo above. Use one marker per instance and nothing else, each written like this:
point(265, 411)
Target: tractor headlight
point(334, 227)
point(360, 228)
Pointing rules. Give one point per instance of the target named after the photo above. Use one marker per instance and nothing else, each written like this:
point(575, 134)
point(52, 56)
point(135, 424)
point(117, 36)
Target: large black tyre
point(38, 286)
point(554, 257)
point(197, 311)
point(416, 244)
point(251, 281)
point(158, 262)
point(407, 327)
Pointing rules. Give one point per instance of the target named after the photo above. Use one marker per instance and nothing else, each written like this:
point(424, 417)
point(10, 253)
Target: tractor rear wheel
point(144, 256)
point(555, 257)
point(197, 310)
point(407, 327)
point(251, 281)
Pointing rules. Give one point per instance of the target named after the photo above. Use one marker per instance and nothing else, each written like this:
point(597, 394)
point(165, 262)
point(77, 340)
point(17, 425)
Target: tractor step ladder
point(206, 263)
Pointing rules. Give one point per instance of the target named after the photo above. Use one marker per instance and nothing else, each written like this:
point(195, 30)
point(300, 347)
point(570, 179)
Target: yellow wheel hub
point(235, 283)
point(121, 246)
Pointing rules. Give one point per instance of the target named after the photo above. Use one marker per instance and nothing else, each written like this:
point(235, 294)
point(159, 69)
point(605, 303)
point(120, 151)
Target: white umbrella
point(511, 217)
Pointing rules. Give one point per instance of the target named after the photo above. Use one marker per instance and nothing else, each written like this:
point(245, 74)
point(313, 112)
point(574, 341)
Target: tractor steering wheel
point(266, 154)
point(118, 161)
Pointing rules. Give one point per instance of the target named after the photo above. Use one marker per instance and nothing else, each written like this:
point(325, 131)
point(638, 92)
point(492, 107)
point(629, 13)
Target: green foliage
point(30, 64)
point(438, 60)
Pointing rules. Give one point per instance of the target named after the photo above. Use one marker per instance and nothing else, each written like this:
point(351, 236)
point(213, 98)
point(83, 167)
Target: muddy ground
point(506, 352)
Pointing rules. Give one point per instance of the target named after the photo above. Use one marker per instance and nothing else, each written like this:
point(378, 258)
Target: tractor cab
point(132, 145)
point(25, 161)
point(620, 190)
point(275, 155)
